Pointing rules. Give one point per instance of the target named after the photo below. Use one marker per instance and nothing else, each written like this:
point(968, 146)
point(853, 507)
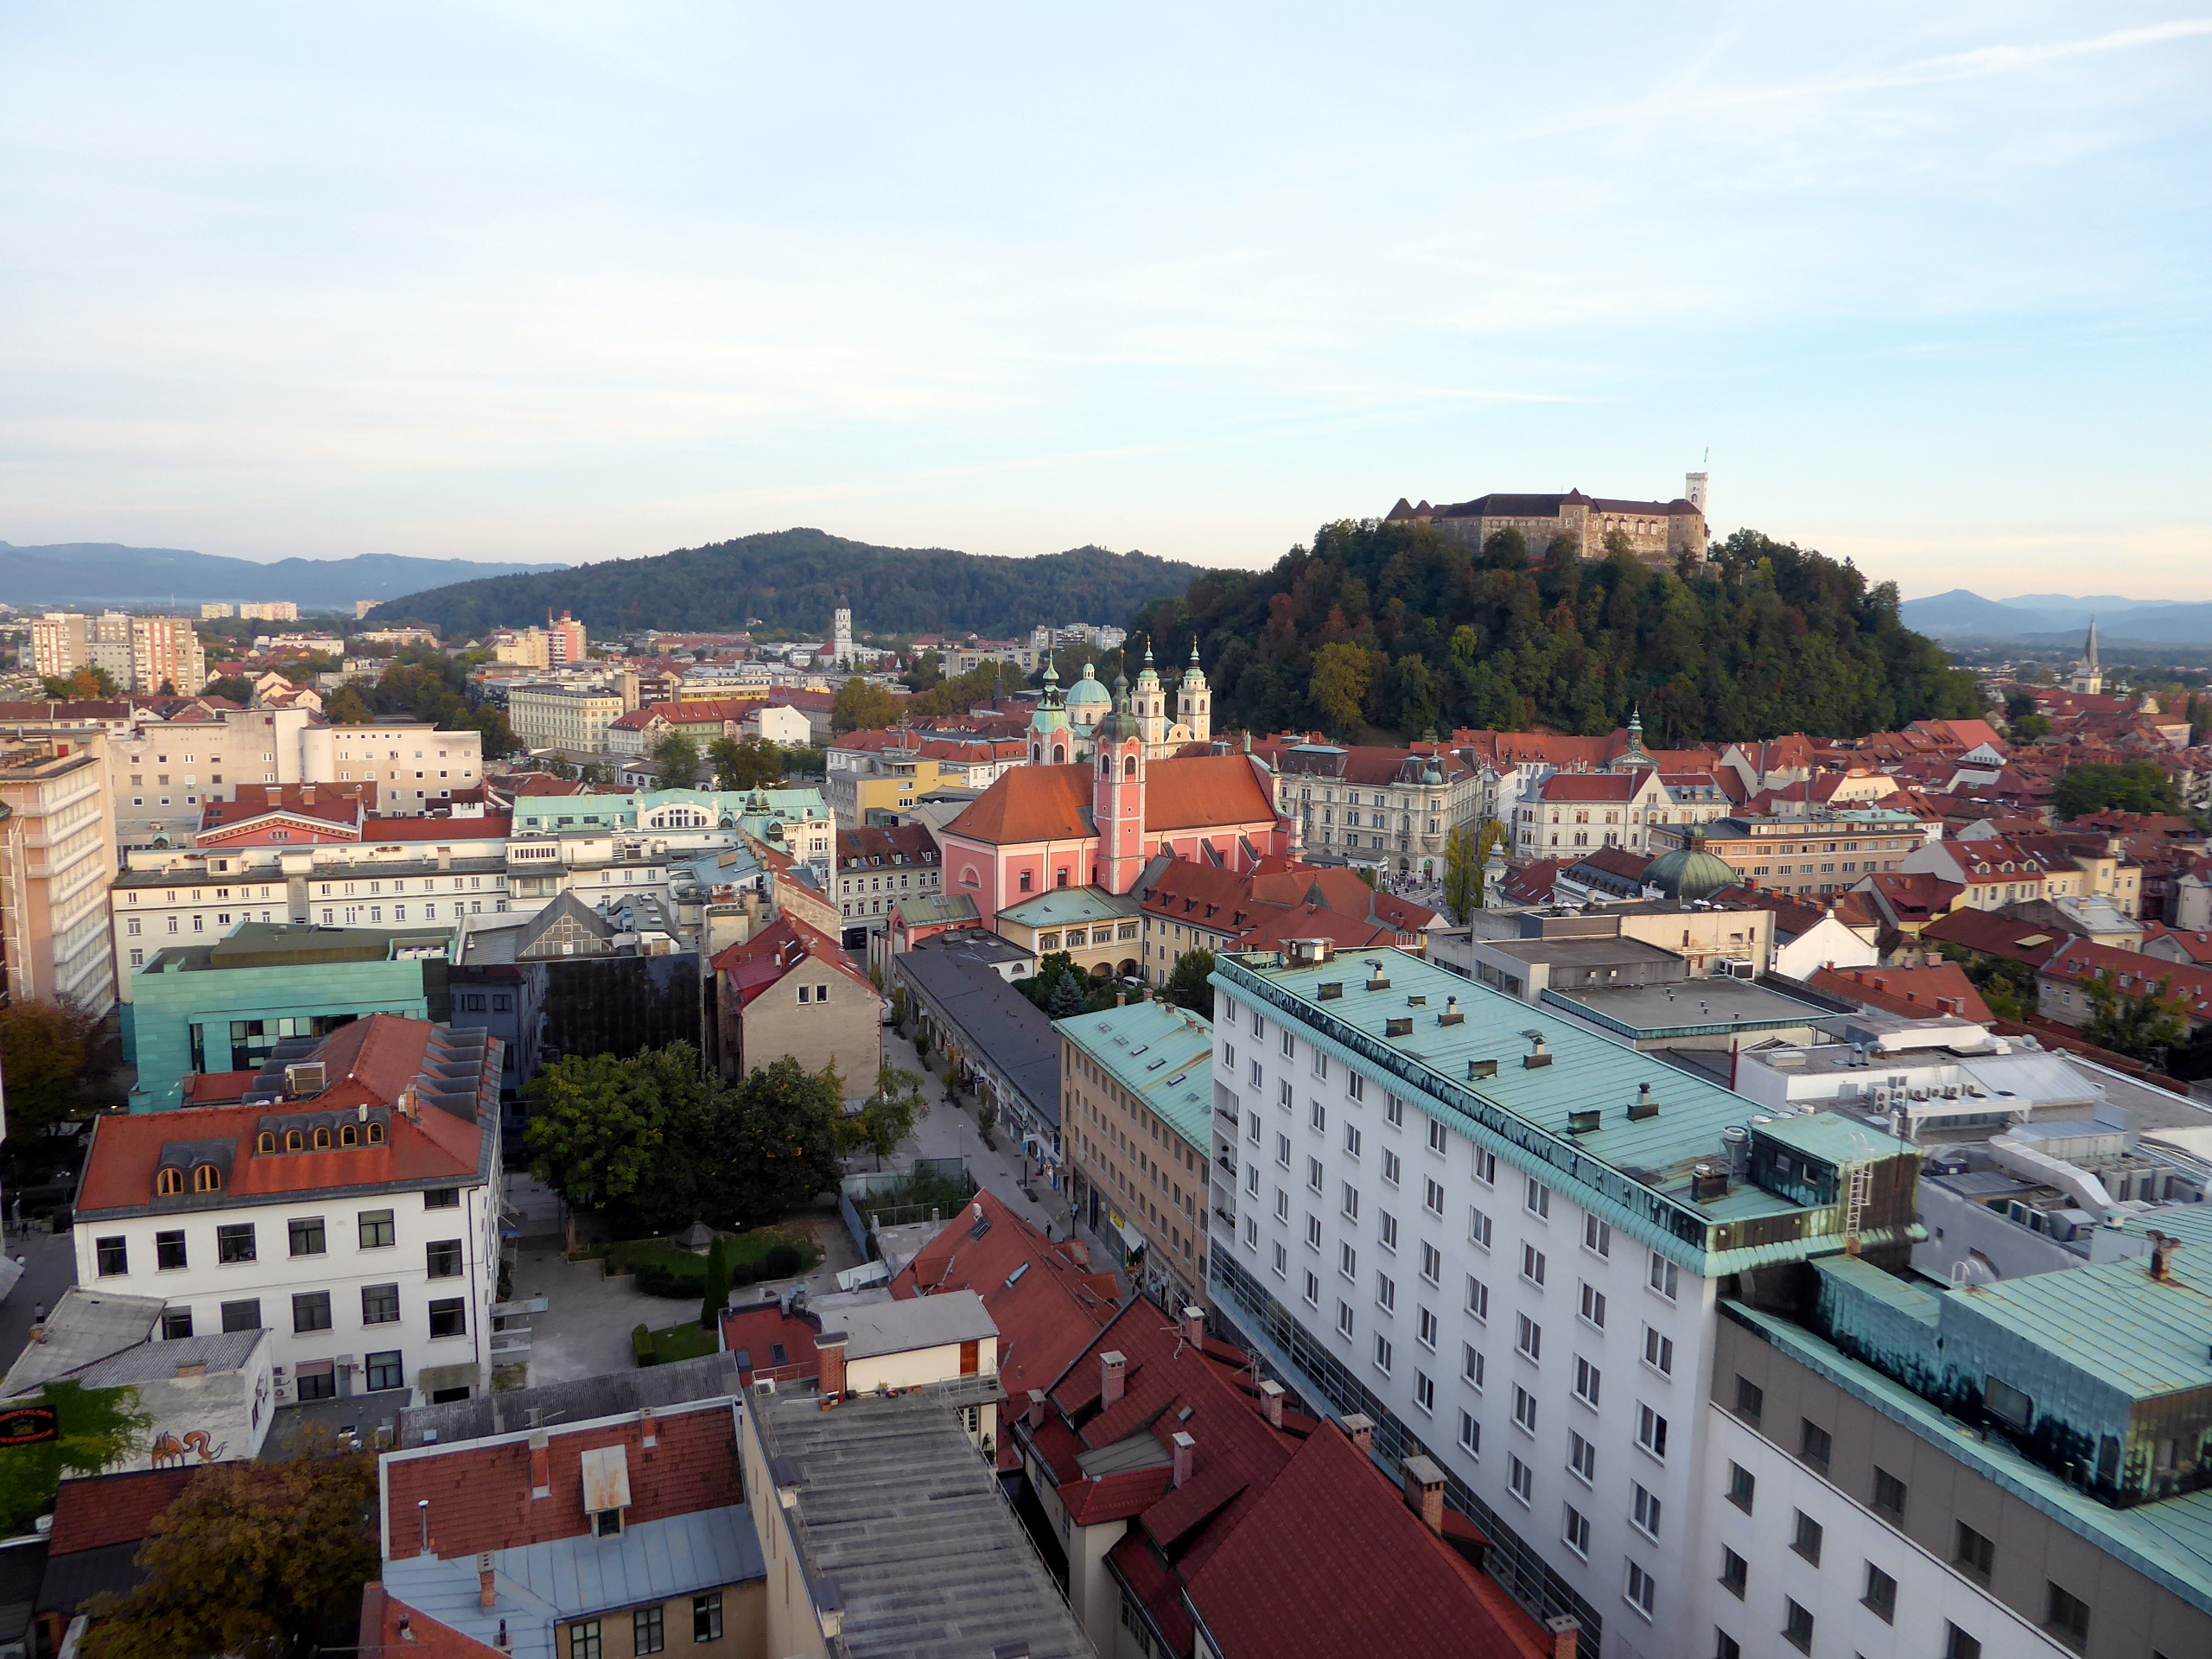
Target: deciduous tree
point(45, 1052)
point(862, 708)
point(675, 762)
point(1188, 985)
point(96, 1427)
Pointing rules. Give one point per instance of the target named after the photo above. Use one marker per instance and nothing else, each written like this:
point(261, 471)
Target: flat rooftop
point(1688, 1007)
point(1580, 952)
point(902, 1525)
point(300, 944)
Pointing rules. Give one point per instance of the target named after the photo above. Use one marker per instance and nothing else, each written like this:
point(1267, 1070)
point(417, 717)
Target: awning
point(1133, 1239)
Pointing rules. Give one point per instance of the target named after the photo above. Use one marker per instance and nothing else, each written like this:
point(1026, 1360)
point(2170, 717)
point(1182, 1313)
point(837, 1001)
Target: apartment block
point(573, 719)
point(1500, 1235)
point(415, 767)
point(143, 654)
point(57, 860)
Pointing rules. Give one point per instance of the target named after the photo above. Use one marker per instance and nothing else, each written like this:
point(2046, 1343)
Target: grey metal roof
point(154, 1361)
point(895, 1327)
point(713, 1377)
point(902, 1521)
point(86, 1327)
point(1686, 1006)
point(1003, 1028)
point(538, 1585)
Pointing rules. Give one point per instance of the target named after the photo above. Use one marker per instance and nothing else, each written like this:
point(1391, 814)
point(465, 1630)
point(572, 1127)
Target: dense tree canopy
point(1389, 629)
point(2135, 787)
point(46, 1049)
point(794, 578)
point(94, 1428)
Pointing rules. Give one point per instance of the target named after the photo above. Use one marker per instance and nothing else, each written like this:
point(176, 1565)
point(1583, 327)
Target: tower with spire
point(2088, 679)
point(1050, 743)
point(1634, 756)
point(1148, 701)
point(1194, 701)
point(1117, 802)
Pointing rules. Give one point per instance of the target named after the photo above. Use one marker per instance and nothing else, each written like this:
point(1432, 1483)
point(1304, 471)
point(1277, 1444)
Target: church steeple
point(1150, 703)
point(2089, 679)
point(1194, 701)
point(1049, 744)
point(1117, 800)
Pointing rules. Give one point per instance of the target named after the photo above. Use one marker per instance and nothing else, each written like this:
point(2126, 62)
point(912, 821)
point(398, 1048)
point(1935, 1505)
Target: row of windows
point(648, 1628)
point(311, 1311)
point(236, 1241)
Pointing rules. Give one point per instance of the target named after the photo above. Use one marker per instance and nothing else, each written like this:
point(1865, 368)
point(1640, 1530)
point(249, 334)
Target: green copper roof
point(1160, 1053)
point(1069, 907)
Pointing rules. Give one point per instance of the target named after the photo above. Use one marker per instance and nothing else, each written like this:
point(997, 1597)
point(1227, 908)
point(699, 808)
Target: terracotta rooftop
point(104, 1509)
point(1938, 987)
point(761, 961)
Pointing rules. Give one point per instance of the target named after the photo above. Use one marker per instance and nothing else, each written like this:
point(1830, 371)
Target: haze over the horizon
point(507, 282)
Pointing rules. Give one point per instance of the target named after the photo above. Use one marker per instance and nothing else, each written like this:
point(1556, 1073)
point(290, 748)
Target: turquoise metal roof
point(1637, 1173)
point(1067, 907)
point(1834, 1139)
point(2168, 1542)
point(1162, 1054)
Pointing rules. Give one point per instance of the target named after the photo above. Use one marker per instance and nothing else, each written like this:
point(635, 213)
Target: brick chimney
point(1567, 1635)
point(1271, 1394)
point(1425, 1492)
point(1185, 1448)
point(1359, 1428)
point(1194, 1326)
point(648, 1429)
point(541, 1465)
point(487, 1597)
point(2162, 1246)
point(830, 1345)
point(1036, 1413)
point(1112, 1368)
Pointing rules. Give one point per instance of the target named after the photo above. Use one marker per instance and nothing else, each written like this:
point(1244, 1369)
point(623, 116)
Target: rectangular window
point(1597, 1236)
point(1318, 1117)
point(1282, 1151)
point(442, 1197)
point(1387, 1230)
point(1642, 1590)
point(379, 1303)
point(1586, 1381)
point(1582, 1457)
point(1344, 1318)
point(1347, 1260)
point(1478, 1298)
point(1386, 1293)
point(1282, 1094)
point(1350, 1202)
point(1725, 1646)
point(1436, 1133)
point(1391, 1167)
point(1355, 1085)
point(307, 1236)
point(646, 1632)
point(1425, 1392)
point(443, 1258)
point(1888, 1495)
point(1816, 1444)
point(1528, 1337)
point(1881, 1597)
point(1646, 1510)
point(1662, 1277)
point(1658, 1352)
point(382, 1371)
point(1393, 1110)
point(1432, 1197)
point(583, 1640)
point(1576, 1533)
point(1313, 1174)
point(1537, 1200)
point(1593, 1306)
point(1975, 1554)
point(177, 1324)
point(1486, 1167)
point(1805, 1537)
point(1532, 1264)
point(1282, 1260)
point(1522, 1479)
point(234, 1241)
point(1750, 1399)
point(1797, 1626)
point(1524, 1409)
point(1314, 1231)
point(1743, 1487)
point(1471, 1434)
point(378, 1232)
point(1957, 1644)
point(1312, 1289)
point(241, 1316)
point(707, 1617)
point(1651, 1431)
point(311, 1311)
point(168, 1250)
point(1352, 1140)
point(1382, 1353)
point(1735, 1572)
point(1426, 1328)
point(1479, 1229)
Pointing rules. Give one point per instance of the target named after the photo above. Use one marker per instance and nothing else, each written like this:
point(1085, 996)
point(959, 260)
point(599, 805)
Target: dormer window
point(265, 1142)
point(322, 1139)
point(168, 1184)
point(349, 1135)
point(295, 1141)
point(376, 1134)
point(206, 1178)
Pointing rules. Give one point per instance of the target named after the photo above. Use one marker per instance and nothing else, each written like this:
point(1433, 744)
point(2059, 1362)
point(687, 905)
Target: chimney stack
point(487, 1596)
point(2162, 1246)
point(541, 1465)
point(1112, 1365)
point(1425, 1492)
point(1036, 1408)
point(830, 1345)
point(1185, 1447)
point(1271, 1402)
point(1567, 1635)
point(1359, 1428)
point(1194, 1326)
point(648, 1429)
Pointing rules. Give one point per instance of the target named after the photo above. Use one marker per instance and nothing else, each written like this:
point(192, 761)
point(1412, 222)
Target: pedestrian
point(38, 1313)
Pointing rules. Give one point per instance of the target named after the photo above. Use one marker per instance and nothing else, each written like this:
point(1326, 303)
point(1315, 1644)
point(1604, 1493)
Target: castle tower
point(1193, 702)
point(1050, 743)
point(1149, 702)
point(1694, 488)
point(1117, 803)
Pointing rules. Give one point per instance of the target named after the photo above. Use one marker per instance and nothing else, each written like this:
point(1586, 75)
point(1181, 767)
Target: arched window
point(169, 1183)
point(376, 1134)
point(206, 1179)
point(1059, 755)
point(266, 1141)
point(322, 1139)
point(1129, 766)
point(349, 1136)
point(1036, 754)
point(294, 1140)
point(1105, 765)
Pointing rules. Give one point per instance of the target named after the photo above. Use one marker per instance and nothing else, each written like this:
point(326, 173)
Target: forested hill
point(1388, 629)
point(794, 578)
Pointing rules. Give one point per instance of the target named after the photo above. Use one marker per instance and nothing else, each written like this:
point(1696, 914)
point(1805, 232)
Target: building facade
point(573, 719)
point(1657, 533)
point(57, 859)
point(415, 767)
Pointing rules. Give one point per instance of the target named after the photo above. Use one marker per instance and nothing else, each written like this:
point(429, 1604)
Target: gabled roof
point(2131, 974)
point(1940, 988)
point(104, 1509)
point(340, 806)
point(1030, 804)
point(1987, 933)
point(763, 960)
point(900, 845)
point(1203, 792)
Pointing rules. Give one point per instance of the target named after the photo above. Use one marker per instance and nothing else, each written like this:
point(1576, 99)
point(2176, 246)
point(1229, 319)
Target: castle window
point(294, 1140)
point(376, 1134)
point(266, 1141)
point(168, 1184)
point(206, 1179)
point(322, 1139)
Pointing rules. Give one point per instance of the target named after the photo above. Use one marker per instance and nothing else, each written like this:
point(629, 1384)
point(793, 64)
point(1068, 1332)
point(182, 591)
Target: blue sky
point(522, 280)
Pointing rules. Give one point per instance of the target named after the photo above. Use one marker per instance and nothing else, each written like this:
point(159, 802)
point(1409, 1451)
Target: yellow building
point(1098, 930)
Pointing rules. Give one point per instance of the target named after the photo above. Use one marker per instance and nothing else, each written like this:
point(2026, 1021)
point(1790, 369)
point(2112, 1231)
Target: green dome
point(1690, 872)
point(1088, 693)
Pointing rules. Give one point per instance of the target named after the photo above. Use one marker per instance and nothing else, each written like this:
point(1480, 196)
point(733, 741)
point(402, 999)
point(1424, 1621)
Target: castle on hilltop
point(1658, 532)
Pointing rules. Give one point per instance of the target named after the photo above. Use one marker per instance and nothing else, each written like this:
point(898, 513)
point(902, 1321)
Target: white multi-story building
point(573, 719)
point(57, 857)
point(141, 653)
point(163, 773)
point(346, 1199)
point(415, 767)
point(1501, 1235)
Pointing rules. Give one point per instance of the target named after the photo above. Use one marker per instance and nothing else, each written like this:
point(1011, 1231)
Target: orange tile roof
point(105, 1509)
point(754, 966)
point(1030, 804)
point(391, 1626)
point(1917, 993)
point(1201, 793)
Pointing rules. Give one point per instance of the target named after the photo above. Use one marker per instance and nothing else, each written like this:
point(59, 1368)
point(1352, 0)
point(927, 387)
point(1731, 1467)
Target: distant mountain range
point(2046, 619)
point(794, 578)
point(106, 573)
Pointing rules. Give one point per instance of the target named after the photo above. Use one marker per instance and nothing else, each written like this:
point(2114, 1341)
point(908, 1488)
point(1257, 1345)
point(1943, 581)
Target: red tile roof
point(1046, 1299)
point(492, 826)
point(1917, 993)
point(1988, 934)
point(2131, 974)
point(481, 1494)
point(912, 842)
point(1030, 804)
point(1592, 786)
point(370, 1063)
point(2196, 946)
point(389, 1626)
point(764, 959)
point(755, 1329)
point(343, 804)
point(105, 1509)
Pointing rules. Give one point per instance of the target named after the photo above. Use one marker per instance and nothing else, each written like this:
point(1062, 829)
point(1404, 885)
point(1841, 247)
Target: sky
point(532, 281)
